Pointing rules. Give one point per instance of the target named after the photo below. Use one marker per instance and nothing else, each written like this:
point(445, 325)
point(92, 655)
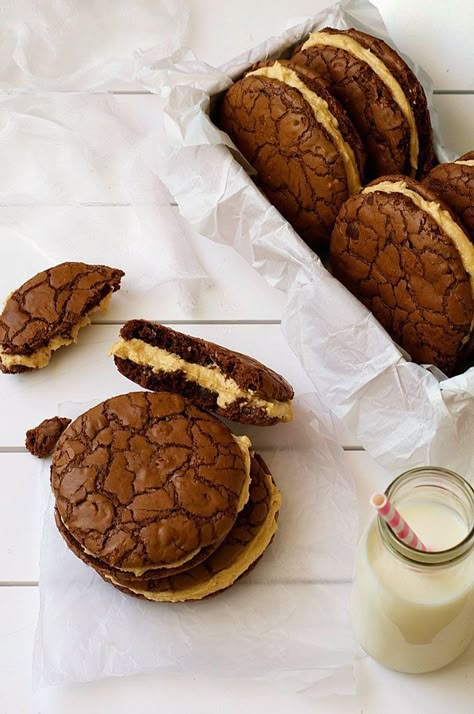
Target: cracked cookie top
point(454, 184)
point(307, 154)
point(146, 480)
point(401, 251)
point(381, 95)
point(48, 310)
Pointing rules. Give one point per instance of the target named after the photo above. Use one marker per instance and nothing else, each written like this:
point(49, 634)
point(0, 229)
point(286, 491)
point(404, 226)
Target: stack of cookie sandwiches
point(154, 491)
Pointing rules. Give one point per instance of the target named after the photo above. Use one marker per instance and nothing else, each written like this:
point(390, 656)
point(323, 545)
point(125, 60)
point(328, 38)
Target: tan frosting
point(41, 357)
point(470, 162)
point(322, 114)
point(440, 216)
point(244, 444)
point(212, 378)
point(224, 578)
point(350, 45)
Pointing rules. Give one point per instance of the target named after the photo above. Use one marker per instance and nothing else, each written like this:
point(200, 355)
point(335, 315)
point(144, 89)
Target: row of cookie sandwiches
point(343, 110)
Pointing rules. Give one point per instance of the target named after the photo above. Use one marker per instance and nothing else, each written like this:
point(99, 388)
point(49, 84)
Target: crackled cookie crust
point(411, 264)
point(146, 482)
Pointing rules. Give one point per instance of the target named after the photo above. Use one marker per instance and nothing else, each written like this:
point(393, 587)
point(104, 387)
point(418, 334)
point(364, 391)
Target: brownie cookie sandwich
point(48, 311)
point(381, 95)
point(215, 378)
point(147, 484)
point(454, 184)
point(306, 153)
point(405, 255)
point(252, 533)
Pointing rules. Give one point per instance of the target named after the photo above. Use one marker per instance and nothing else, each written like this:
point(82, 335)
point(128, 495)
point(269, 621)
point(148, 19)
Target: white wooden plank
point(83, 372)
point(20, 518)
point(436, 37)
point(18, 613)
point(456, 120)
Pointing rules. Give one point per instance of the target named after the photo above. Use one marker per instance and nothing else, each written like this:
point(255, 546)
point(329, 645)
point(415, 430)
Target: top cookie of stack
point(307, 125)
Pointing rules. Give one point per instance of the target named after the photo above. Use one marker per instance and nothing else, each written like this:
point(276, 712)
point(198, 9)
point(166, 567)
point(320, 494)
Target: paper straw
point(398, 525)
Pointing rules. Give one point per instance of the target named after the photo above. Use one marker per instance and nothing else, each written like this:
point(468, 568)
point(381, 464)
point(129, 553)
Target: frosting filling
point(322, 115)
point(41, 357)
point(350, 45)
point(228, 575)
point(211, 378)
point(469, 162)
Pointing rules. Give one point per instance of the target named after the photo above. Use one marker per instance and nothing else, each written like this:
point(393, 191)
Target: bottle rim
point(429, 558)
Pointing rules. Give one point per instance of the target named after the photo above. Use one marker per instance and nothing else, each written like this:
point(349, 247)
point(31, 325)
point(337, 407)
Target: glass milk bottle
point(413, 611)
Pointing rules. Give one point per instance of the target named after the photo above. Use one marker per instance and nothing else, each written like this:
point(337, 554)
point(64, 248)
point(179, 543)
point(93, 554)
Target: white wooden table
point(438, 37)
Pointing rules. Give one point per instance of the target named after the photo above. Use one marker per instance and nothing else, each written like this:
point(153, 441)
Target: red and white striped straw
point(398, 525)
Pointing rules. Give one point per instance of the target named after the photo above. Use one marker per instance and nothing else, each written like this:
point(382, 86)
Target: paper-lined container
point(404, 414)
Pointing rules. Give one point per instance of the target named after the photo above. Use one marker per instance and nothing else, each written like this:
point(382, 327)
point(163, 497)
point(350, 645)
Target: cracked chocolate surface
point(248, 373)
point(298, 166)
point(396, 259)
point(144, 481)
point(41, 440)
point(51, 304)
point(370, 104)
point(248, 524)
point(454, 184)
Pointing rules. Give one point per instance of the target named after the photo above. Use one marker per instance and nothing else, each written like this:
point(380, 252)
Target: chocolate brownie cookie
point(41, 440)
point(215, 378)
point(307, 154)
point(381, 95)
point(48, 311)
point(454, 184)
point(402, 251)
point(144, 482)
point(253, 531)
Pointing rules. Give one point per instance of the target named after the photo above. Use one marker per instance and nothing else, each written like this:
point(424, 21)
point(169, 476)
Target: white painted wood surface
point(438, 36)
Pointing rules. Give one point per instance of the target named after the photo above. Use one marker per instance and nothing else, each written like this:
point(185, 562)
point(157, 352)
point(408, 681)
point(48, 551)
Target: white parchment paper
point(287, 621)
point(398, 410)
point(71, 45)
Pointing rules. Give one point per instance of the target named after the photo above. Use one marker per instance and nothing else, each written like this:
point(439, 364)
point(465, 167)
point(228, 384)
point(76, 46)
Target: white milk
point(410, 616)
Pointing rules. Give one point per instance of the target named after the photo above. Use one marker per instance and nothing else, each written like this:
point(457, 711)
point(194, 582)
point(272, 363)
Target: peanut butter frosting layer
point(216, 378)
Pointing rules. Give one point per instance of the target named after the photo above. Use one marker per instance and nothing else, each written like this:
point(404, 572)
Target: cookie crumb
point(41, 440)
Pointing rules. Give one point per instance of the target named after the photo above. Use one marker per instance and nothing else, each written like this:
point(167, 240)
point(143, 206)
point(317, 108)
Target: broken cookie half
point(48, 311)
point(215, 378)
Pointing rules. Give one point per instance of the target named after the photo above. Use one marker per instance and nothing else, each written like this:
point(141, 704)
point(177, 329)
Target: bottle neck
point(438, 486)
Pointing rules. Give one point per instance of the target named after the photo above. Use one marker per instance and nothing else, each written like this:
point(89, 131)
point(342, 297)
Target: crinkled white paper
point(71, 45)
point(286, 621)
point(77, 184)
point(398, 410)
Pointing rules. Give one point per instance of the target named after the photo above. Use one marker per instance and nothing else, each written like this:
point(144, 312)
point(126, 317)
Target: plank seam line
point(197, 322)
point(24, 450)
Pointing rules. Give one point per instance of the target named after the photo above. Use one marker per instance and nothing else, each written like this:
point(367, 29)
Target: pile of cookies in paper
point(151, 489)
point(340, 139)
